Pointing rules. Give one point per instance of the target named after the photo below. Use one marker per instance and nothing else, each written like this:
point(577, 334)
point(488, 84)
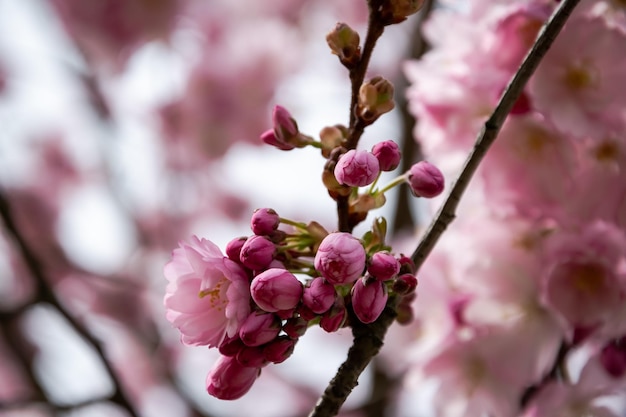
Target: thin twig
point(491, 128)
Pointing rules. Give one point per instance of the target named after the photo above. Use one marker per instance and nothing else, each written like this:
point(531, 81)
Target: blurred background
point(129, 125)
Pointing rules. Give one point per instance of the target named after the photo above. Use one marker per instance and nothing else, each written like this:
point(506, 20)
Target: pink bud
point(613, 357)
point(407, 266)
point(257, 252)
point(229, 380)
point(388, 155)
point(279, 349)
point(231, 346)
point(319, 295)
point(264, 221)
point(368, 301)
point(340, 258)
point(251, 356)
point(259, 328)
point(270, 138)
point(285, 127)
point(383, 266)
point(404, 284)
point(276, 289)
point(425, 180)
point(334, 318)
point(357, 168)
point(233, 248)
point(295, 327)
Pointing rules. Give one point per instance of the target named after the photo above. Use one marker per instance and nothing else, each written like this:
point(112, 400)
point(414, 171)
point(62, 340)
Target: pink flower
point(340, 258)
point(229, 380)
point(383, 266)
point(425, 180)
point(257, 252)
point(369, 300)
point(582, 90)
point(319, 295)
point(357, 168)
point(388, 155)
point(207, 296)
point(276, 290)
point(264, 221)
point(259, 328)
point(584, 279)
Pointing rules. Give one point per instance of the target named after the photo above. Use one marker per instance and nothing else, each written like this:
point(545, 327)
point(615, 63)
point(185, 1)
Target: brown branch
point(45, 293)
point(368, 339)
point(490, 130)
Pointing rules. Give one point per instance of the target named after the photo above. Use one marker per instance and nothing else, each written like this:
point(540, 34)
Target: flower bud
point(375, 99)
point(257, 252)
point(295, 327)
point(383, 266)
point(233, 248)
point(231, 346)
point(285, 135)
point(279, 349)
point(251, 356)
point(425, 180)
point(344, 42)
point(332, 137)
point(357, 168)
point(340, 258)
point(407, 266)
point(405, 309)
point(259, 328)
point(368, 301)
point(264, 221)
point(401, 9)
point(613, 357)
point(276, 289)
point(334, 318)
point(319, 295)
point(229, 380)
point(404, 284)
point(305, 313)
point(388, 155)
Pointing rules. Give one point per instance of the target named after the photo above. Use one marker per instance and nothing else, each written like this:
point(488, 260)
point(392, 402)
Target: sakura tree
point(208, 206)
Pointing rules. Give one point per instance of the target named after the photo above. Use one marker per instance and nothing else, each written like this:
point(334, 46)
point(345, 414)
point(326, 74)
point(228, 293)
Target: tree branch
point(45, 293)
point(489, 132)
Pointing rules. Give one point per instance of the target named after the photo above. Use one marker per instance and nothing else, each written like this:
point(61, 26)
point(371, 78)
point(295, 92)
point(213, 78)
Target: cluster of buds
point(279, 283)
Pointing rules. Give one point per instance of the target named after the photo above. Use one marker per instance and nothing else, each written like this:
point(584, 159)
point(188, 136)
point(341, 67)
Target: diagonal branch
point(368, 339)
point(489, 132)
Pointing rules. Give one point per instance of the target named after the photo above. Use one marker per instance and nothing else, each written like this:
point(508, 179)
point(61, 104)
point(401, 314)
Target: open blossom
point(207, 296)
point(340, 258)
point(229, 380)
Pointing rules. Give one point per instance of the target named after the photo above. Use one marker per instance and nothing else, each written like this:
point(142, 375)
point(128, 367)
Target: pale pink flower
point(582, 90)
point(229, 380)
point(584, 278)
point(207, 296)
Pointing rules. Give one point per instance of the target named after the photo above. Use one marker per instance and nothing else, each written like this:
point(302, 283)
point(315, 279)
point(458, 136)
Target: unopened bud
point(401, 9)
point(279, 349)
point(340, 258)
point(375, 99)
point(264, 221)
point(257, 252)
point(357, 168)
point(259, 328)
point(388, 155)
point(404, 284)
point(285, 134)
point(344, 42)
point(331, 137)
point(252, 356)
point(425, 180)
point(295, 327)
point(229, 380)
point(276, 290)
point(319, 295)
point(334, 318)
point(368, 301)
point(383, 266)
point(233, 248)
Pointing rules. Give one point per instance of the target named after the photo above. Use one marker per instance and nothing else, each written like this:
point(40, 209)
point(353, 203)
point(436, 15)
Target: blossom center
point(579, 77)
point(606, 151)
point(588, 278)
point(217, 294)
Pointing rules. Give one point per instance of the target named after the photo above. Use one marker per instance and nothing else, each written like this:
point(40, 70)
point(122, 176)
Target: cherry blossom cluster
point(523, 304)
